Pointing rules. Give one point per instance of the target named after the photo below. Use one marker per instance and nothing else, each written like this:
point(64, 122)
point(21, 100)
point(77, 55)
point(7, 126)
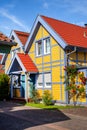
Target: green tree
point(4, 86)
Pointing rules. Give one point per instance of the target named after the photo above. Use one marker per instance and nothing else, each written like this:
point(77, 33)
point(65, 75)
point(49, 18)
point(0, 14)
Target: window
point(39, 81)
point(47, 46)
point(47, 80)
point(39, 48)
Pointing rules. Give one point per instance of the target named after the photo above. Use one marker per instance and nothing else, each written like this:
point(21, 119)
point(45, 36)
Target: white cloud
point(13, 18)
point(45, 5)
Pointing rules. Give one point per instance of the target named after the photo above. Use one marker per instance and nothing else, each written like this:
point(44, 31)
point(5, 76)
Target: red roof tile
point(23, 36)
point(4, 38)
point(27, 62)
point(72, 34)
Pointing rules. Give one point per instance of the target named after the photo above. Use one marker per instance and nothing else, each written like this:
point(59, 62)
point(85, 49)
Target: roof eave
point(8, 43)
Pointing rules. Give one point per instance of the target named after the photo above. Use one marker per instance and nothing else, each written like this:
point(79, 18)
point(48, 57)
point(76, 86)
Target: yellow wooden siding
point(46, 58)
point(46, 69)
point(62, 53)
point(32, 56)
point(38, 60)
point(56, 74)
point(7, 63)
point(81, 56)
point(63, 93)
point(53, 41)
point(56, 92)
point(55, 53)
point(8, 60)
point(39, 34)
point(32, 49)
point(45, 33)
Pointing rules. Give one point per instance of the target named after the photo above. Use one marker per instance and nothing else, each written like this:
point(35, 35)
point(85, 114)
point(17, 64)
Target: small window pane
point(39, 48)
point(47, 78)
point(47, 45)
point(39, 81)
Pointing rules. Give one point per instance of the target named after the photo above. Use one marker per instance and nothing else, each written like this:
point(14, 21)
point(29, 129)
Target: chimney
point(85, 25)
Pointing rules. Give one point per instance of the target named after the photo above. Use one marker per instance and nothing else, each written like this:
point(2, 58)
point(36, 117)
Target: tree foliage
point(4, 86)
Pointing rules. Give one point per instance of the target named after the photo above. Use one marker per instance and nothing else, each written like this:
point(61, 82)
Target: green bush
point(47, 98)
point(34, 95)
point(4, 86)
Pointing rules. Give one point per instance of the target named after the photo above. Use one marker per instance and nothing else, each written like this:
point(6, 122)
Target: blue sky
point(21, 14)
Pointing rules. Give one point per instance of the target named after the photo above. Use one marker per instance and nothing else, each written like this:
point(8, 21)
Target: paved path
point(17, 117)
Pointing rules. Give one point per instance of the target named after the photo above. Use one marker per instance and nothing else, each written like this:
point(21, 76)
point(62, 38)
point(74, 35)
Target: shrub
point(4, 86)
point(34, 94)
point(47, 98)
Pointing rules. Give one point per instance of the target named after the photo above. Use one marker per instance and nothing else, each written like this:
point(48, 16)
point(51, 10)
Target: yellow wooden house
point(51, 45)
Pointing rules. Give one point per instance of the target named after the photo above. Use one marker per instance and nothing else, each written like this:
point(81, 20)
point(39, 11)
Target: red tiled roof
point(27, 62)
point(72, 34)
point(4, 38)
point(23, 36)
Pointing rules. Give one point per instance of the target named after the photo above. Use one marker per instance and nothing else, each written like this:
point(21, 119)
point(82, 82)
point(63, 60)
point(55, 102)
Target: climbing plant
point(75, 83)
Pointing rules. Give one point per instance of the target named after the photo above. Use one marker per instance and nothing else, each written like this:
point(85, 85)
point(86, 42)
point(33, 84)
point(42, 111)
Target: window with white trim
point(47, 45)
point(39, 48)
point(47, 80)
point(40, 81)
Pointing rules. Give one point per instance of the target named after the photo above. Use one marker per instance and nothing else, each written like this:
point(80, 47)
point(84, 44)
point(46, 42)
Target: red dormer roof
point(27, 62)
point(72, 34)
point(23, 36)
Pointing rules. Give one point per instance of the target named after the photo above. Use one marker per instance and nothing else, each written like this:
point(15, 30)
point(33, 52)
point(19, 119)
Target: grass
point(51, 107)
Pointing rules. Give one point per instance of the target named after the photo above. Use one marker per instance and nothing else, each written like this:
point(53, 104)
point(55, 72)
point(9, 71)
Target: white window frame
point(37, 48)
point(45, 45)
point(40, 83)
point(48, 80)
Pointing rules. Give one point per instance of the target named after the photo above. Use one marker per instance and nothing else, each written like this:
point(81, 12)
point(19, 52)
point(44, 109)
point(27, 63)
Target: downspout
point(67, 55)
point(67, 63)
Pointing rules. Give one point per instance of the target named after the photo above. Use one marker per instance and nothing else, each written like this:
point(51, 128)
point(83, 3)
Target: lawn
point(52, 107)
